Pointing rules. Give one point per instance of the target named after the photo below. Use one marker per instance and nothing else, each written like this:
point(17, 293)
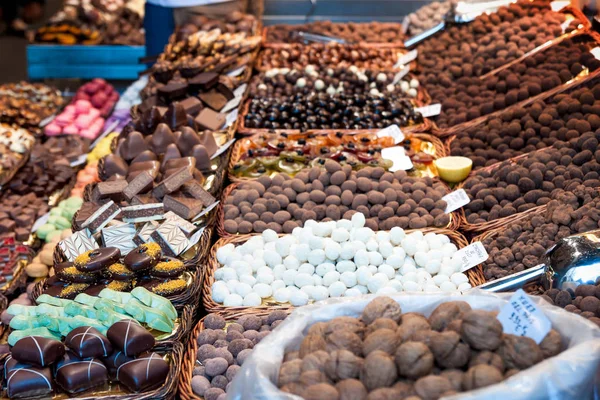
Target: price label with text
point(472, 255)
point(392, 131)
point(40, 221)
point(430, 111)
point(398, 157)
point(403, 72)
point(521, 317)
point(456, 200)
point(407, 57)
point(222, 149)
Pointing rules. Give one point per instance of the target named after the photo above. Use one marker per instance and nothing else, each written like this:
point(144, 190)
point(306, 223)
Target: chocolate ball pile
point(322, 111)
point(374, 32)
point(531, 181)
point(521, 244)
point(490, 41)
point(386, 199)
point(466, 98)
point(585, 301)
point(222, 351)
point(232, 23)
point(277, 83)
point(386, 354)
point(298, 56)
point(523, 130)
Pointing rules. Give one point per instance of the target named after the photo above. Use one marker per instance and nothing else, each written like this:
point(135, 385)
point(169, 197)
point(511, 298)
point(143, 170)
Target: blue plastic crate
point(85, 62)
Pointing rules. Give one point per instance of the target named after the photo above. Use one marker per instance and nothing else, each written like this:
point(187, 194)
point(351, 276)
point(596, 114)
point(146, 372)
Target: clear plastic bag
point(572, 374)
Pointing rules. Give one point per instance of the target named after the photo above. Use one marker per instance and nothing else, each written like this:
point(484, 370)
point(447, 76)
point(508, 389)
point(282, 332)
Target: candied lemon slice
point(453, 169)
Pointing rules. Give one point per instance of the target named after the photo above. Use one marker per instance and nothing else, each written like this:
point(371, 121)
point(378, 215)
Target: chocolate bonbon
point(143, 373)
point(38, 351)
point(88, 342)
point(130, 337)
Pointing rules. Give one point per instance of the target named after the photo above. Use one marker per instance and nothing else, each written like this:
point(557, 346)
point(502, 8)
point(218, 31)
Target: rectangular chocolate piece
point(183, 206)
point(109, 190)
point(121, 237)
point(143, 235)
point(172, 91)
point(213, 99)
point(192, 105)
point(106, 213)
point(195, 189)
point(185, 226)
point(79, 242)
point(143, 199)
point(204, 81)
point(140, 184)
point(143, 213)
point(173, 182)
point(171, 239)
point(210, 119)
point(225, 91)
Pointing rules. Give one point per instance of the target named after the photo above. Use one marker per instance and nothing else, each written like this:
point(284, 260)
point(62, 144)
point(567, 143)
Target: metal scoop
point(307, 37)
point(572, 261)
point(459, 13)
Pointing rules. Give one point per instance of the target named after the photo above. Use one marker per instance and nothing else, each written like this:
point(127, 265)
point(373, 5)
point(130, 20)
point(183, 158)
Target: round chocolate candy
point(66, 292)
point(144, 257)
point(168, 267)
point(168, 287)
point(73, 275)
point(119, 272)
point(97, 259)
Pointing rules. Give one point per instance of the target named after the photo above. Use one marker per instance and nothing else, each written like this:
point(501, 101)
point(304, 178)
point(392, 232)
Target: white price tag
point(194, 239)
point(521, 317)
point(40, 221)
point(430, 111)
point(239, 91)
point(406, 58)
point(403, 72)
point(231, 117)
point(565, 25)
point(392, 131)
point(231, 104)
point(596, 52)
point(47, 120)
point(222, 149)
point(456, 200)
point(237, 71)
point(472, 255)
point(206, 210)
point(559, 5)
point(399, 158)
point(79, 161)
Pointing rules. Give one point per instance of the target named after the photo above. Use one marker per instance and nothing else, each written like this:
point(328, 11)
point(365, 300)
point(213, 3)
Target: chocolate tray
point(182, 324)
point(436, 149)
point(271, 305)
point(243, 131)
point(189, 358)
point(171, 351)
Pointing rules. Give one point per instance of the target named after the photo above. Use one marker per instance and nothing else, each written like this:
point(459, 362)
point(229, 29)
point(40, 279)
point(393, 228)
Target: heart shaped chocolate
point(161, 138)
point(133, 146)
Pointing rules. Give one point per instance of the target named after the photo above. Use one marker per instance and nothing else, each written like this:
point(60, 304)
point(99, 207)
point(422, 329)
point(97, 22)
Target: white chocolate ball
point(316, 257)
point(376, 282)
point(219, 291)
point(336, 289)
point(269, 235)
point(320, 293)
point(330, 278)
point(414, 83)
point(352, 292)
point(348, 278)
point(298, 298)
point(361, 258)
point(440, 278)
point(289, 276)
point(252, 300)
point(345, 266)
point(363, 274)
point(324, 268)
point(243, 289)
point(448, 286)
point(263, 290)
point(458, 277)
point(340, 235)
point(388, 270)
point(233, 300)
point(464, 286)
point(301, 82)
point(358, 220)
point(282, 295)
point(319, 85)
point(303, 279)
point(306, 269)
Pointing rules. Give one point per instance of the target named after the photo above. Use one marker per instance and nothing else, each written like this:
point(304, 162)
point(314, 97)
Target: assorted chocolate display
point(271, 153)
point(117, 22)
point(88, 359)
point(519, 245)
point(298, 56)
point(352, 32)
point(15, 145)
point(231, 23)
point(517, 186)
point(451, 61)
point(427, 16)
point(523, 130)
point(14, 255)
point(388, 354)
point(26, 104)
point(386, 199)
point(223, 347)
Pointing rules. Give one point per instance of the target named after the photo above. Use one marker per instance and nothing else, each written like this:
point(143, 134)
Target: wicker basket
point(8, 175)
point(189, 359)
point(212, 265)
point(477, 272)
point(220, 225)
point(243, 131)
point(467, 227)
point(3, 306)
point(238, 151)
point(19, 279)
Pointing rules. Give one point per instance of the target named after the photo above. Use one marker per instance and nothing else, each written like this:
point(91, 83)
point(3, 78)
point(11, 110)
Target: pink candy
point(82, 106)
point(71, 130)
point(52, 129)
